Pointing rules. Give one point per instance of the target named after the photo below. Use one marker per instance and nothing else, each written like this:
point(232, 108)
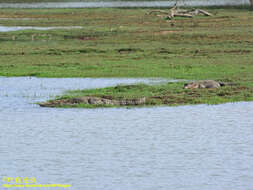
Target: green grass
point(171, 94)
point(129, 43)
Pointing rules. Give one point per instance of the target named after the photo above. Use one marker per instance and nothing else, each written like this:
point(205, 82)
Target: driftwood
point(177, 12)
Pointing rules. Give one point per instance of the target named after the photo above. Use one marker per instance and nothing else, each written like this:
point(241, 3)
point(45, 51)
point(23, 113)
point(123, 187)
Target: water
point(182, 148)
point(17, 28)
point(124, 4)
point(23, 19)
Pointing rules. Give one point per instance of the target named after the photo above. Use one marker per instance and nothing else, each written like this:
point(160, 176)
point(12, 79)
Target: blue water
point(17, 28)
point(183, 148)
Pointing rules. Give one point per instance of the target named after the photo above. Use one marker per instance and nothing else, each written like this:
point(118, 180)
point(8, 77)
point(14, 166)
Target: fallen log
point(176, 12)
point(204, 12)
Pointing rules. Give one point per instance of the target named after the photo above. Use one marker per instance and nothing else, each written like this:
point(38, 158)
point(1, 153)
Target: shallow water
point(17, 28)
point(186, 147)
point(124, 4)
point(22, 18)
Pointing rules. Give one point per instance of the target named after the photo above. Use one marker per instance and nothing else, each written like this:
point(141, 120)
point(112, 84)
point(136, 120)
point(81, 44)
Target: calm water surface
point(183, 148)
point(124, 4)
point(17, 28)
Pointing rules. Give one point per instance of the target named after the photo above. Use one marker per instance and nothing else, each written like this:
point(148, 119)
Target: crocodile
point(203, 84)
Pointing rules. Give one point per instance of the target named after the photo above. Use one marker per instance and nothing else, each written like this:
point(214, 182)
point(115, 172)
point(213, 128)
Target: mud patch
point(166, 32)
point(129, 50)
point(232, 52)
point(73, 51)
point(83, 38)
point(86, 38)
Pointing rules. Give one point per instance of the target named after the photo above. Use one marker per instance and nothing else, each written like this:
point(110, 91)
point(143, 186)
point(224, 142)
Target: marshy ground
point(129, 43)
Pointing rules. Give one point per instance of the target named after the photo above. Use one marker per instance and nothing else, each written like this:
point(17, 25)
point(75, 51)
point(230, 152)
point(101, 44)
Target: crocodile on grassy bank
point(204, 84)
point(167, 94)
point(94, 101)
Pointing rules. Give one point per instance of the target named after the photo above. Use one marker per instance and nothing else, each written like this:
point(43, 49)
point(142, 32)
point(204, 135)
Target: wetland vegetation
point(129, 43)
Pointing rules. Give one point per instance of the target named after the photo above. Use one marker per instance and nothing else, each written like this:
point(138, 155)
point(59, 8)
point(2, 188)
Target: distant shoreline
point(114, 4)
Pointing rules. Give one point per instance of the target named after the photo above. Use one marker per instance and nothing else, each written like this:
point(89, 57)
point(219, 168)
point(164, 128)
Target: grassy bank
point(171, 94)
point(129, 43)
